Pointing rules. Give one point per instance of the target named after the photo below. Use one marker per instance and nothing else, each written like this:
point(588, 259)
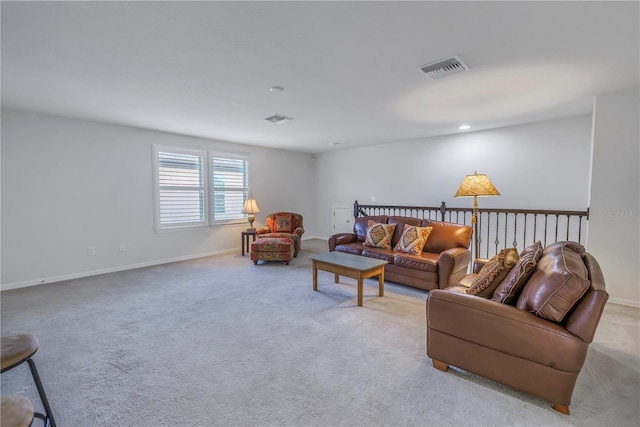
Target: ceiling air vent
point(278, 118)
point(444, 67)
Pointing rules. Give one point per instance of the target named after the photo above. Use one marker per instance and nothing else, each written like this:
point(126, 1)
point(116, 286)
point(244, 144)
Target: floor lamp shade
point(476, 185)
point(251, 208)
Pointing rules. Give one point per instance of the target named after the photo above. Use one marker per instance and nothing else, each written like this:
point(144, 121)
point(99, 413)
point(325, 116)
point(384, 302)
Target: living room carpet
point(220, 341)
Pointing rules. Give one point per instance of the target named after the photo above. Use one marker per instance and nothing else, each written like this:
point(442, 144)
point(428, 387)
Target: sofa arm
point(263, 230)
point(502, 327)
point(341, 239)
point(478, 263)
point(299, 231)
point(452, 266)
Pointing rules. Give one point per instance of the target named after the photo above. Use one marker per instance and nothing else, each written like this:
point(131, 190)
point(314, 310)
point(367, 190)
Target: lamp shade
point(251, 207)
point(476, 185)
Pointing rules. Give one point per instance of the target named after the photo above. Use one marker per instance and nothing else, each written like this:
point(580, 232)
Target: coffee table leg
point(336, 278)
point(315, 275)
point(381, 282)
point(360, 289)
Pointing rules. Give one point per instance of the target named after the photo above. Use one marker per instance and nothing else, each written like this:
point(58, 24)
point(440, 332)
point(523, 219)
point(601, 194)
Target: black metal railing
point(497, 229)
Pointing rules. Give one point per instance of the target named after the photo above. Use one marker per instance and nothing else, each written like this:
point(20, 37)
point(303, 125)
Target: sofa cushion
point(378, 253)
point(400, 222)
point(361, 225)
point(559, 281)
point(493, 273)
point(509, 289)
point(283, 223)
point(446, 235)
point(467, 280)
point(354, 248)
point(379, 235)
point(412, 239)
point(423, 262)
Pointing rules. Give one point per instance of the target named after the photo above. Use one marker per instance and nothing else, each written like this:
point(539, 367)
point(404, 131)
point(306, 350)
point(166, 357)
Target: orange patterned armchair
point(284, 224)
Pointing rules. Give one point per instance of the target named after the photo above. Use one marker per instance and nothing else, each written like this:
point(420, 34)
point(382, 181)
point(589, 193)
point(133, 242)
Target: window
point(230, 177)
point(181, 194)
point(186, 180)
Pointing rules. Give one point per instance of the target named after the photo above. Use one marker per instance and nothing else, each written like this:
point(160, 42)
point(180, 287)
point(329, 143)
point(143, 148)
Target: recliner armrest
point(299, 231)
point(341, 239)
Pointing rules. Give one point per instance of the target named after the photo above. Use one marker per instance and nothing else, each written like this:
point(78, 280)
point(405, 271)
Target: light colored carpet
point(220, 341)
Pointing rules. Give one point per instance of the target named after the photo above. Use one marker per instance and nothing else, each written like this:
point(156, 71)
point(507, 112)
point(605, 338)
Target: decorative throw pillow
point(413, 239)
point(493, 272)
point(379, 235)
point(509, 290)
point(560, 280)
point(283, 223)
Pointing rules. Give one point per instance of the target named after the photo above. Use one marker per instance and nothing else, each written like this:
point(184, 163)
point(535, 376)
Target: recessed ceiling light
point(464, 127)
point(334, 143)
point(276, 89)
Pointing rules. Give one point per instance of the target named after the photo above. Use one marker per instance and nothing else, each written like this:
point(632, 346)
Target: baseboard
point(53, 279)
point(43, 281)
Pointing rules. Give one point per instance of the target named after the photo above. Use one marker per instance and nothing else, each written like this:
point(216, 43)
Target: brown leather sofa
point(444, 261)
point(520, 345)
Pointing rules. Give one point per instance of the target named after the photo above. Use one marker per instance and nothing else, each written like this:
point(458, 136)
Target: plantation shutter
point(230, 187)
point(181, 195)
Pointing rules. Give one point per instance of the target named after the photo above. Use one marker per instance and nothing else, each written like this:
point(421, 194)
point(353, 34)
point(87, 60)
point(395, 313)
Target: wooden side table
point(245, 240)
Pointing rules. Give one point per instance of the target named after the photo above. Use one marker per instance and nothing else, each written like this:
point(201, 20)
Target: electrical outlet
point(91, 250)
point(123, 247)
point(373, 199)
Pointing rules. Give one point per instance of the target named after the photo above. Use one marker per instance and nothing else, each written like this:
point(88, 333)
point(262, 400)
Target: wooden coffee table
point(354, 266)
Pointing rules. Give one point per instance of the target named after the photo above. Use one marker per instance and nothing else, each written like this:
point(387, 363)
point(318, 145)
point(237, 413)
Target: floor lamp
point(476, 185)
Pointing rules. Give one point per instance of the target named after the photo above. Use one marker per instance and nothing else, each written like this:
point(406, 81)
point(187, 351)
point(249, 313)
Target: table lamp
point(251, 208)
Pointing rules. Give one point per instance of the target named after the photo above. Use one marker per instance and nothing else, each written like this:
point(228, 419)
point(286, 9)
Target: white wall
point(69, 184)
point(543, 165)
point(614, 219)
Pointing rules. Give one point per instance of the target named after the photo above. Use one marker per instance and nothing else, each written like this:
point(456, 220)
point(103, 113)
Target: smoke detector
point(444, 67)
point(278, 118)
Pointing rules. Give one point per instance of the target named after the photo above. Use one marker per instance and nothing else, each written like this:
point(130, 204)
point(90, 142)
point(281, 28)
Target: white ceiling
point(349, 69)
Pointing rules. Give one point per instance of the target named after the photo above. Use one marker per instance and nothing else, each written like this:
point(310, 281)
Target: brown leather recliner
point(519, 346)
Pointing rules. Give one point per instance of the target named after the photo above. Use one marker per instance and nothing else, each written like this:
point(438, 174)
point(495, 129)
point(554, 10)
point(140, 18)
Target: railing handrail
point(526, 211)
point(358, 208)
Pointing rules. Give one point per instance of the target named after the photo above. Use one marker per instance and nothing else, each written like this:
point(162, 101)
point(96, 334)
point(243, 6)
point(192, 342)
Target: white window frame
point(215, 190)
point(157, 149)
